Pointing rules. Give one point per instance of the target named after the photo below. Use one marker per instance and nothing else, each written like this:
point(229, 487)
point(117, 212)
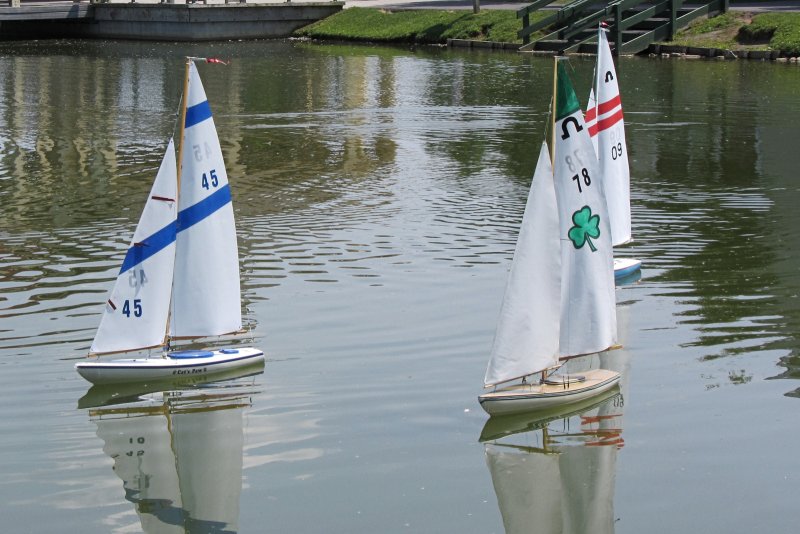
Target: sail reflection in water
point(550, 477)
point(178, 452)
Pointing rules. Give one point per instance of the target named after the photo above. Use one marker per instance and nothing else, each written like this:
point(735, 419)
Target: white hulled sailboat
point(180, 275)
point(559, 300)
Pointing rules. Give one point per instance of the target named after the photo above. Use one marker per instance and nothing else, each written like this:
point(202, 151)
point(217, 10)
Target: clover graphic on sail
point(587, 226)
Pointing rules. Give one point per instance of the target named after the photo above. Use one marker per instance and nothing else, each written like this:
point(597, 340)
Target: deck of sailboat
point(537, 396)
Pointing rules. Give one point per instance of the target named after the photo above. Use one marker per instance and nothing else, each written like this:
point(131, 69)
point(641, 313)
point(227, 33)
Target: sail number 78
point(582, 177)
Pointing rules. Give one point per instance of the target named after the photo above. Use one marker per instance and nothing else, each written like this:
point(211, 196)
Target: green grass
point(716, 32)
point(739, 30)
point(415, 26)
point(781, 29)
point(732, 30)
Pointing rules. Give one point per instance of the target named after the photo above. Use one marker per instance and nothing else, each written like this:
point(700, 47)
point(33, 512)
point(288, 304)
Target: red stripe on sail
point(607, 106)
point(593, 130)
point(608, 122)
point(591, 114)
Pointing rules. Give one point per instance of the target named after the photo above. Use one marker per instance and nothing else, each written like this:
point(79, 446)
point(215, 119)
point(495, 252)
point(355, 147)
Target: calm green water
point(378, 193)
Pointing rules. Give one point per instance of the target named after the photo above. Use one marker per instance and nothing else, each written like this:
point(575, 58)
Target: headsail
point(137, 309)
point(607, 128)
point(528, 330)
point(206, 298)
point(588, 303)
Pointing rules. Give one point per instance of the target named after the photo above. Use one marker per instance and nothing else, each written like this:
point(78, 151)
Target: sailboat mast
point(182, 125)
point(179, 169)
point(553, 114)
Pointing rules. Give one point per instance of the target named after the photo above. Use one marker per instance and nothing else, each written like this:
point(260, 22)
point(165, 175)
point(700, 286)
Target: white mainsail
point(607, 128)
point(206, 293)
point(138, 306)
point(528, 329)
point(588, 303)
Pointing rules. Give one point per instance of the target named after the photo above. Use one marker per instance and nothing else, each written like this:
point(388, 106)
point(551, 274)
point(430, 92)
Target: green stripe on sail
point(566, 101)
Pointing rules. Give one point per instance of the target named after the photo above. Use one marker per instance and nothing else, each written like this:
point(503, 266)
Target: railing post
point(618, 29)
point(673, 15)
point(526, 21)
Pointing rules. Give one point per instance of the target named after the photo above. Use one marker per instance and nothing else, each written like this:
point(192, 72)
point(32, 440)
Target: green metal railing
point(573, 25)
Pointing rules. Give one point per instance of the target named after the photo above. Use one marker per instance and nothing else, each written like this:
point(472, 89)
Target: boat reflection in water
point(553, 472)
point(178, 451)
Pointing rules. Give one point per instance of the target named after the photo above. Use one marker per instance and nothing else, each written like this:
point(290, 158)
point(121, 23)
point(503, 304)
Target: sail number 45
point(132, 306)
point(210, 179)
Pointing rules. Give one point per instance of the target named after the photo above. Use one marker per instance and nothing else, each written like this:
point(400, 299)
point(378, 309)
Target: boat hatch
point(184, 354)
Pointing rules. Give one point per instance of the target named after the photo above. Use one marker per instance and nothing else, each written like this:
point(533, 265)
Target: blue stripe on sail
point(203, 209)
point(149, 247)
point(197, 113)
point(187, 218)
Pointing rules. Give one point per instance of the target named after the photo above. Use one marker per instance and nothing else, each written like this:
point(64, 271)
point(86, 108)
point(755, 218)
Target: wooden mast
point(553, 116)
point(179, 168)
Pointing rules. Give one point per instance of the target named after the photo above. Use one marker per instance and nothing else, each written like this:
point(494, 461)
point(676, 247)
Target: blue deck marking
point(197, 114)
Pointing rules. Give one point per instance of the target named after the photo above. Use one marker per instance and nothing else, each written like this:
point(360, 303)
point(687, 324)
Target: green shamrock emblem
point(587, 226)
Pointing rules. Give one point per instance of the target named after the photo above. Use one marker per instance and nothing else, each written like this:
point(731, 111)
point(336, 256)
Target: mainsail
point(206, 293)
point(137, 309)
point(588, 303)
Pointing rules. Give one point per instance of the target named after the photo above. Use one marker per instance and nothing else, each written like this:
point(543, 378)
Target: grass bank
point(428, 26)
point(732, 30)
point(737, 30)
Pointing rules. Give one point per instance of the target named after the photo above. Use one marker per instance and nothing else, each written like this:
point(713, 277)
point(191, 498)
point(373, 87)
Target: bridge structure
point(633, 24)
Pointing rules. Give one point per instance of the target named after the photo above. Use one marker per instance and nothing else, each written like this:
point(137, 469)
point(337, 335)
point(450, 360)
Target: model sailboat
point(607, 130)
point(180, 275)
point(559, 300)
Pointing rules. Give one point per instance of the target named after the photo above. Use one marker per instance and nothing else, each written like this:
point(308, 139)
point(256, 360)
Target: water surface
point(378, 193)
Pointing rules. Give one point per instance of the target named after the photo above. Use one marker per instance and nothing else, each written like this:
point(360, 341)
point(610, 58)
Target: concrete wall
point(179, 22)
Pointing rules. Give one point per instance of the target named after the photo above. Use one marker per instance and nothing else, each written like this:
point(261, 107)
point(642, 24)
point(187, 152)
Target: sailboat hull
point(624, 267)
point(521, 398)
point(173, 365)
